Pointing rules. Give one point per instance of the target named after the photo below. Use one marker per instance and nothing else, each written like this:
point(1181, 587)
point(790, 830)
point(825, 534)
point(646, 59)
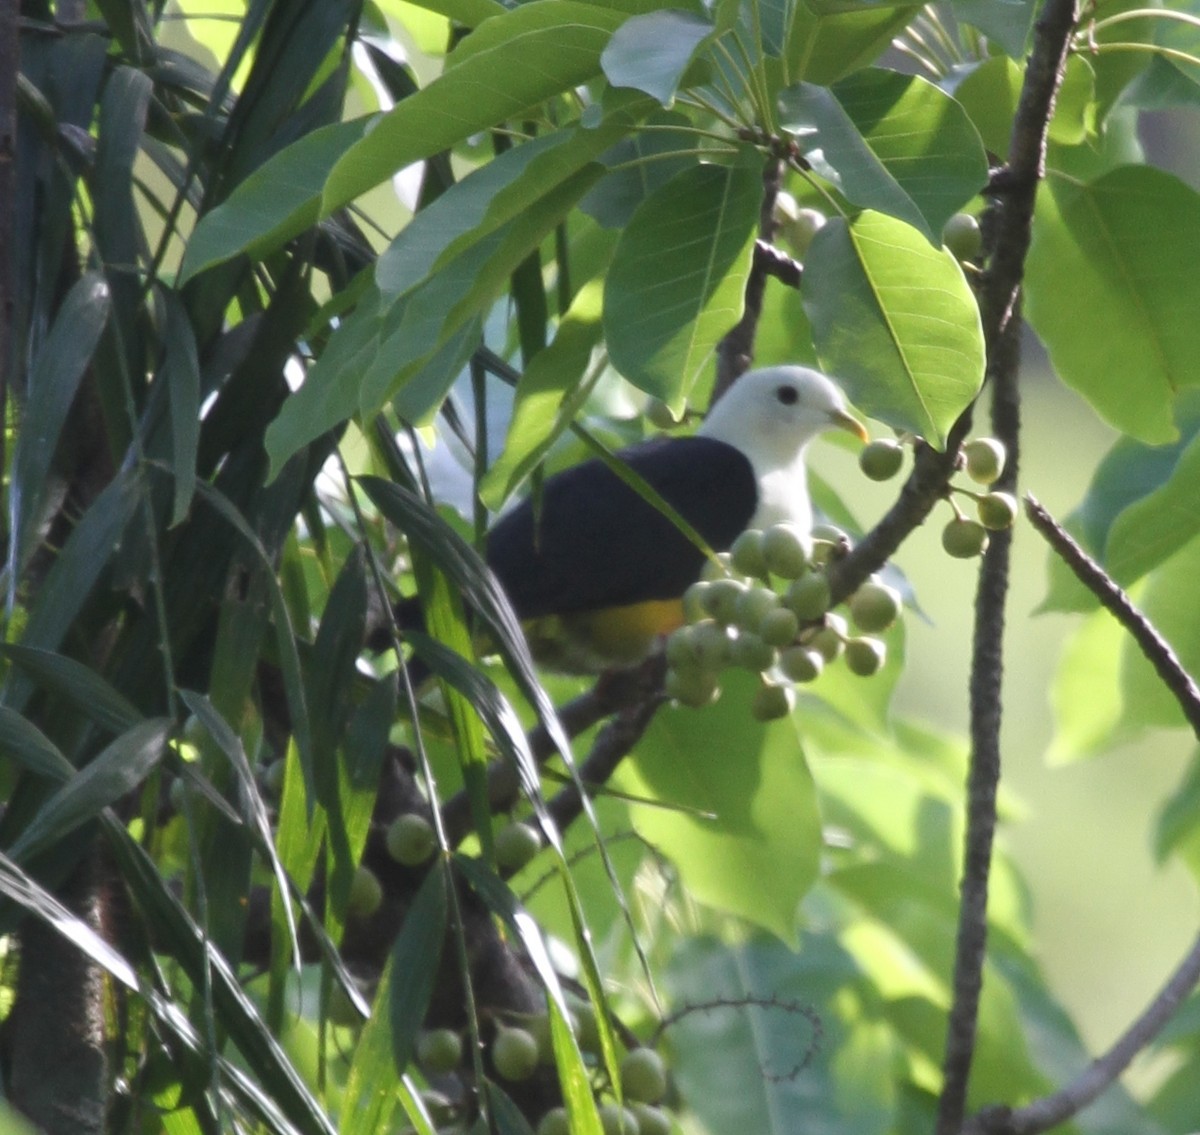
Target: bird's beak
point(844, 420)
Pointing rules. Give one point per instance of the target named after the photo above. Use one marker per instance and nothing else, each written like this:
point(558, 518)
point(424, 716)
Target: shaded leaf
point(651, 52)
point(414, 963)
point(181, 371)
point(678, 277)
point(80, 685)
point(25, 743)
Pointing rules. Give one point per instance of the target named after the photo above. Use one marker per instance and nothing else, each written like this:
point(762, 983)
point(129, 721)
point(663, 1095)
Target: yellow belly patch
point(593, 641)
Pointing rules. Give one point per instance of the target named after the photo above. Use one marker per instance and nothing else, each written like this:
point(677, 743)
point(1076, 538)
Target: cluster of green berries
point(764, 607)
point(983, 461)
point(518, 1049)
point(411, 842)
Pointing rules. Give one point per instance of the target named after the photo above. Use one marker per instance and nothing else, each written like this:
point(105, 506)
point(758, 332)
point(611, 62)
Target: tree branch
point(1007, 233)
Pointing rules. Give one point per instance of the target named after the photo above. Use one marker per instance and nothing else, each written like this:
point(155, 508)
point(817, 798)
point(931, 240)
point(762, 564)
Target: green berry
point(693, 601)
point(721, 598)
point(411, 840)
point(881, 460)
point(962, 237)
point(617, 1120)
point(773, 701)
point(439, 1050)
point(716, 568)
point(874, 607)
point(660, 414)
point(779, 627)
point(587, 1031)
point(366, 894)
point(516, 845)
point(273, 776)
point(801, 664)
point(712, 646)
point(514, 1053)
point(809, 598)
point(830, 640)
point(751, 653)
point(997, 510)
point(694, 688)
point(555, 1122)
point(746, 555)
point(787, 551)
point(829, 541)
point(865, 656)
point(984, 458)
point(964, 538)
point(643, 1076)
point(651, 1120)
point(753, 605)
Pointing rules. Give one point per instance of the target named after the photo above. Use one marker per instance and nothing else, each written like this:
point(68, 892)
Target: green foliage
point(251, 255)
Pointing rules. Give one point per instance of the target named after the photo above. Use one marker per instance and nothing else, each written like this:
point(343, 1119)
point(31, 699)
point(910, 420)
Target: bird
point(597, 574)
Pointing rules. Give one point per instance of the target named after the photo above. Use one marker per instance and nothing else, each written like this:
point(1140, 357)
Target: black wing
point(597, 544)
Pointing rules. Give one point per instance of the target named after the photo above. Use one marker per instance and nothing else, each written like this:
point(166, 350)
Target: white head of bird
point(771, 415)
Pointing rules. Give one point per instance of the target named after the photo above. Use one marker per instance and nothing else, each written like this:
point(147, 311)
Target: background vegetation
point(282, 279)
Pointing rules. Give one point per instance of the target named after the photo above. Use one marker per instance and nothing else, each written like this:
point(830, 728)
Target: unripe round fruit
point(808, 598)
point(366, 894)
point(779, 627)
point(874, 607)
point(962, 237)
point(799, 230)
point(693, 601)
point(617, 1120)
point(865, 656)
point(694, 688)
point(881, 460)
point(273, 776)
point(716, 568)
point(801, 664)
point(660, 414)
point(829, 543)
point(587, 1032)
point(753, 605)
point(772, 702)
point(964, 539)
point(651, 1120)
point(555, 1122)
point(984, 457)
point(787, 551)
point(721, 598)
point(746, 555)
point(439, 1050)
point(643, 1076)
point(751, 653)
point(997, 510)
point(681, 649)
point(514, 1053)
point(516, 845)
point(830, 640)
point(411, 839)
point(712, 646)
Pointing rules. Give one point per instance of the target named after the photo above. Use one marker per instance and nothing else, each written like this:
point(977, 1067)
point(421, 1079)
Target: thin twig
point(1164, 660)
point(1007, 235)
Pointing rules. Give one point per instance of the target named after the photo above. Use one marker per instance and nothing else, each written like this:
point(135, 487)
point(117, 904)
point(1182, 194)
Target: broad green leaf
point(989, 95)
point(368, 1102)
point(895, 321)
point(1074, 106)
point(276, 202)
point(1086, 691)
point(889, 142)
point(786, 1034)
point(1006, 22)
point(678, 277)
point(1110, 286)
point(469, 13)
point(651, 52)
point(741, 822)
point(414, 963)
point(1168, 601)
point(53, 380)
point(119, 769)
point(503, 69)
point(549, 394)
point(828, 39)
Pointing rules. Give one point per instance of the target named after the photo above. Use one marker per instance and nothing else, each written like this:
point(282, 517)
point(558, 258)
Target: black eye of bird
point(788, 395)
